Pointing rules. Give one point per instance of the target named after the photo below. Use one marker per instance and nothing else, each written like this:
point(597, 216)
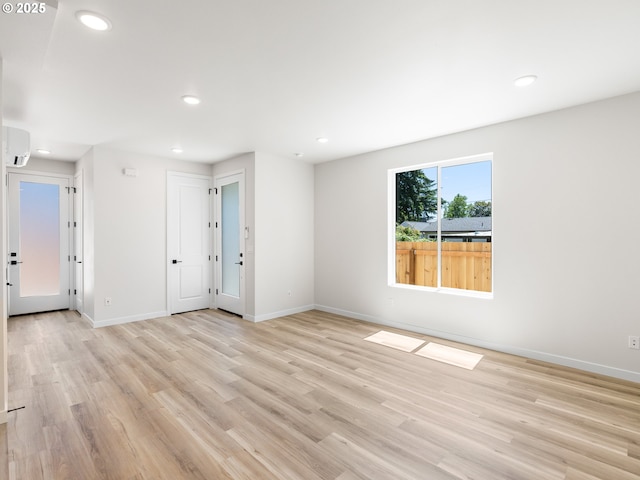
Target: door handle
point(239, 263)
point(15, 262)
point(176, 261)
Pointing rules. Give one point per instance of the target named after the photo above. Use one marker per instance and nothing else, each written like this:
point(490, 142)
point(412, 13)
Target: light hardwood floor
point(205, 395)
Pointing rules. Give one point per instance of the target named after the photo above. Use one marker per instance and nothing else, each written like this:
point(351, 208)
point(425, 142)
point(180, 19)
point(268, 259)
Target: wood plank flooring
point(206, 395)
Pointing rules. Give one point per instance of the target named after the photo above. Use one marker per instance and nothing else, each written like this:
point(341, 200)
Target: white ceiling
point(274, 75)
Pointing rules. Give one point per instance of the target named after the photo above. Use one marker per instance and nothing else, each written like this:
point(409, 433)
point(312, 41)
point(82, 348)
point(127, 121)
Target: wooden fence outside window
point(465, 265)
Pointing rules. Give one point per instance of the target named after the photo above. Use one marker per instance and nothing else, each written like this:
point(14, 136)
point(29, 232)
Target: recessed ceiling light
point(322, 139)
point(176, 150)
point(93, 20)
point(299, 154)
point(190, 99)
point(525, 81)
point(43, 151)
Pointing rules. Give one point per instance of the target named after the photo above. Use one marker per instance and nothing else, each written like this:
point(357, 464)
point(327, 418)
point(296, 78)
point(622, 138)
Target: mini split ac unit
point(16, 146)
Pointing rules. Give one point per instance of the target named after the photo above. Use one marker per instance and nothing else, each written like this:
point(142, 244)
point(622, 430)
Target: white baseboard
point(120, 320)
point(281, 313)
point(521, 352)
point(87, 318)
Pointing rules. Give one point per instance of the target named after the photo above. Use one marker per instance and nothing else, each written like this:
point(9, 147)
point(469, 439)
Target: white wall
point(279, 249)
point(565, 287)
point(130, 234)
point(284, 236)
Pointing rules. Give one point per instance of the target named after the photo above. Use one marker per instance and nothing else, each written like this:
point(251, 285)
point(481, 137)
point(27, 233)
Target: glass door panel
point(39, 239)
point(230, 225)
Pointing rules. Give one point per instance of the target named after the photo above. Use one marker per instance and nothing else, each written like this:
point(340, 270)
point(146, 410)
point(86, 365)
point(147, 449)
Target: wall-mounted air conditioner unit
point(16, 146)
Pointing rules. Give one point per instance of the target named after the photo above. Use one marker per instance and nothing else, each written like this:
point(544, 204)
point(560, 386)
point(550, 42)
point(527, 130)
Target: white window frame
point(391, 254)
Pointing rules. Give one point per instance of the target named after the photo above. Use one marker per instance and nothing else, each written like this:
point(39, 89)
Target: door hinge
point(69, 291)
point(68, 224)
point(216, 291)
point(74, 190)
point(75, 224)
point(209, 224)
point(75, 292)
point(216, 224)
point(68, 258)
point(209, 290)
point(209, 257)
point(215, 190)
point(210, 191)
point(216, 258)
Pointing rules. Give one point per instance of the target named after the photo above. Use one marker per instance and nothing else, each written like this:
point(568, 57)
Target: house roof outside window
point(468, 226)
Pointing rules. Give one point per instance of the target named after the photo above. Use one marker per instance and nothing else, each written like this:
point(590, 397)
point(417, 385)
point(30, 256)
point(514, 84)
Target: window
point(442, 225)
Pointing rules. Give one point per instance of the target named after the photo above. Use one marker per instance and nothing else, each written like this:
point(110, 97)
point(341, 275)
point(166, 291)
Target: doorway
point(78, 242)
point(230, 237)
point(188, 242)
point(39, 243)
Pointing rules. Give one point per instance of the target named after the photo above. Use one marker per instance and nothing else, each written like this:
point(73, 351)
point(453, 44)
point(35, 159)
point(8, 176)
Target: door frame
point(77, 242)
point(243, 235)
point(70, 240)
point(169, 271)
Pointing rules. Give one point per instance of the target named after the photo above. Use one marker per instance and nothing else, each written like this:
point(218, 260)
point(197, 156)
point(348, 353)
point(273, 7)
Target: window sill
point(446, 291)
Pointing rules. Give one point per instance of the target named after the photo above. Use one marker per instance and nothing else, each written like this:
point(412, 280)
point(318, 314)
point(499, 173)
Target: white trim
point(240, 171)
point(4, 416)
point(171, 174)
point(216, 239)
point(522, 352)
point(281, 313)
point(120, 320)
point(481, 157)
point(447, 290)
point(189, 175)
point(391, 221)
point(86, 317)
point(39, 173)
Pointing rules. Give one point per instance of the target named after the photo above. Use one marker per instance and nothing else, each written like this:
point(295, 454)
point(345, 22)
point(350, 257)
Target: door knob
point(239, 263)
point(176, 261)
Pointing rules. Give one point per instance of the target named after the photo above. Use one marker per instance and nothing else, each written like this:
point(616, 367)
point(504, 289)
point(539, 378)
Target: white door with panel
point(230, 236)
point(78, 242)
point(39, 243)
point(188, 242)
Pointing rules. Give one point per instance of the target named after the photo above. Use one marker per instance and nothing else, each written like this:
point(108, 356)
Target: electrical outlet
point(634, 342)
point(107, 301)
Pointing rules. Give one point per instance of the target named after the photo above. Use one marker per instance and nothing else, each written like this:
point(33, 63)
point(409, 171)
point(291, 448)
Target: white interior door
point(38, 263)
point(230, 243)
point(188, 242)
point(78, 243)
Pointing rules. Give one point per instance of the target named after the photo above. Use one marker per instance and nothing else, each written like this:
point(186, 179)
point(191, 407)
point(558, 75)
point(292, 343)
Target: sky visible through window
point(472, 180)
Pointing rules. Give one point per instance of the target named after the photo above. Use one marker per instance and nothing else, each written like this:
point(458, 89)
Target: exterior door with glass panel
point(230, 258)
point(38, 262)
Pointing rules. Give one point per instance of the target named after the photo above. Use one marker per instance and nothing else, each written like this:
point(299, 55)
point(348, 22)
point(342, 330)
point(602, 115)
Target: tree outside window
point(445, 243)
